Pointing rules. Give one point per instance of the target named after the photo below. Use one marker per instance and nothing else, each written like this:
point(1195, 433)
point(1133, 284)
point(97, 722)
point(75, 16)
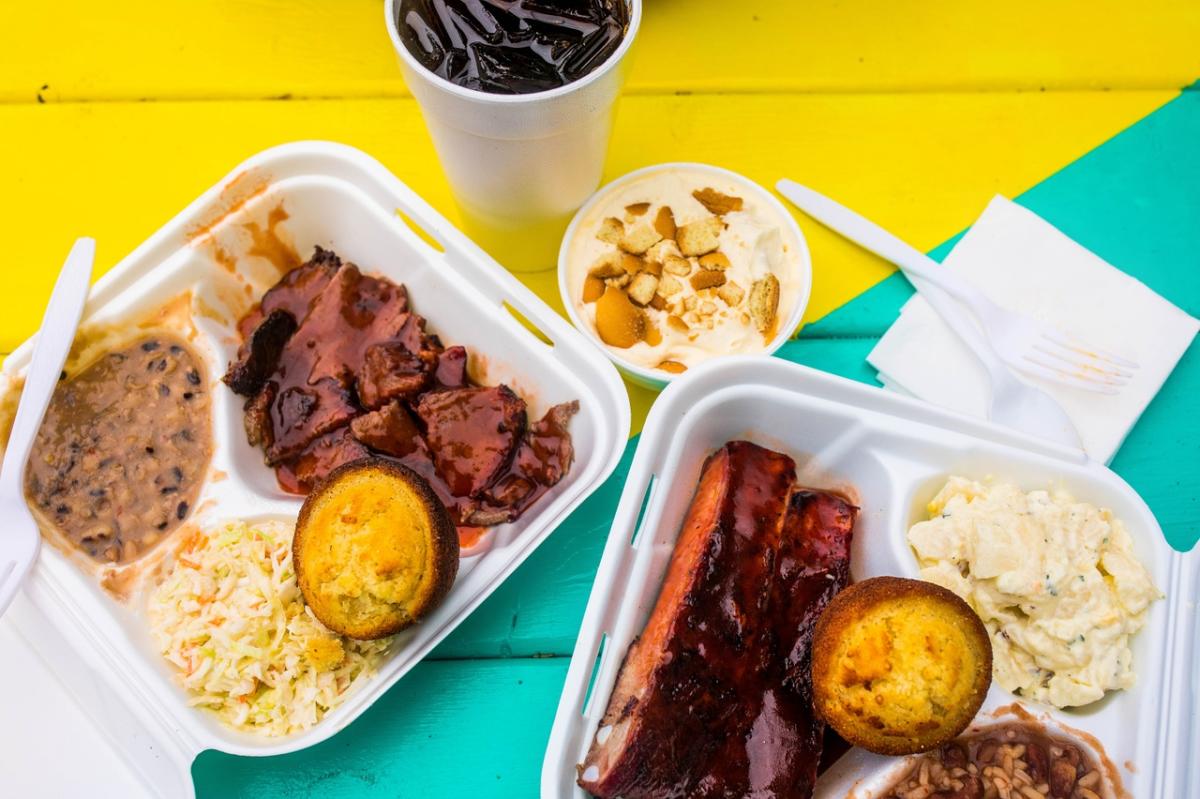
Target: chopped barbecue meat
point(546, 452)
point(350, 315)
point(336, 366)
point(257, 417)
point(451, 370)
point(390, 371)
point(390, 430)
point(541, 460)
point(411, 333)
point(782, 747)
point(301, 414)
point(420, 460)
point(294, 291)
point(299, 474)
point(472, 434)
point(713, 699)
point(508, 492)
point(481, 517)
point(258, 358)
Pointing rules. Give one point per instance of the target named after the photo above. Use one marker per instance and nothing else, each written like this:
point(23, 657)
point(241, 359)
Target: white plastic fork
point(19, 538)
point(1037, 349)
point(1013, 403)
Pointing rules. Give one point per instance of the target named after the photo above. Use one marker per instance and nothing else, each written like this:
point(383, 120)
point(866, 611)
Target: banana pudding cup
point(675, 264)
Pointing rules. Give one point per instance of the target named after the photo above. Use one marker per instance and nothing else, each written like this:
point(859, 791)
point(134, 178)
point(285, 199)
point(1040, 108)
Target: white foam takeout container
point(339, 198)
point(893, 454)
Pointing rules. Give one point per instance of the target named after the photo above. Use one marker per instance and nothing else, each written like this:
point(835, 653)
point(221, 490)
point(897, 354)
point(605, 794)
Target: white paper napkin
point(42, 726)
point(1027, 265)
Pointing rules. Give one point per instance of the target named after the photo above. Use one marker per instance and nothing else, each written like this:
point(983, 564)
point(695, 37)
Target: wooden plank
point(82, 50)
point(119, 170)
point(451, 728)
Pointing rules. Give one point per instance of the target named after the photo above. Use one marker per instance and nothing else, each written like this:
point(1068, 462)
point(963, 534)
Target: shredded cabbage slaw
point(229, 616)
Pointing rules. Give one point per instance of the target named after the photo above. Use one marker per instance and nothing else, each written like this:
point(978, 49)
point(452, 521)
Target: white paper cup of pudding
point(675, 264)
point(514, 160)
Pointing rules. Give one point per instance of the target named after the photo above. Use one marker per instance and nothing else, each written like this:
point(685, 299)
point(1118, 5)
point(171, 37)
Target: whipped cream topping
point(689, 321)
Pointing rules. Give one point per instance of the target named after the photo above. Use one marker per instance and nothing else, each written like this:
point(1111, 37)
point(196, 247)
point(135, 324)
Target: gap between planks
point(782, 90)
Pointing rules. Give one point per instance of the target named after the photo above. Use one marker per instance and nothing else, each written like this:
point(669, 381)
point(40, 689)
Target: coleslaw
point(229, 617)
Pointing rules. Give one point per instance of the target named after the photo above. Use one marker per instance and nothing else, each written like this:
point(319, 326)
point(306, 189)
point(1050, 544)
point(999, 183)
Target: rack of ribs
point(714, 699)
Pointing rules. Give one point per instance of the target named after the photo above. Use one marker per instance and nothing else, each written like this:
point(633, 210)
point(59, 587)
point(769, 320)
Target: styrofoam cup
point(520, 159)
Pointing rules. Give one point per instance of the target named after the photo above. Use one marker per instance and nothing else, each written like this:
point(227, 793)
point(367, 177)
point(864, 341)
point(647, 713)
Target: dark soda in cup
point(511, 46)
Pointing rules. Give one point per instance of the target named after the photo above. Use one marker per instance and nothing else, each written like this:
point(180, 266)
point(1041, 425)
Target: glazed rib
point(780, 746)
point(715, 698)
point(677, 693)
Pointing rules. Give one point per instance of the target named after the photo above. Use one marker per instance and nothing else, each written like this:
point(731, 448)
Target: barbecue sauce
point(313, 383)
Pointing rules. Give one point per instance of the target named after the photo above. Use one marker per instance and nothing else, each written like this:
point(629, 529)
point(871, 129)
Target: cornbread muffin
point(899, 666)
point(375, 550)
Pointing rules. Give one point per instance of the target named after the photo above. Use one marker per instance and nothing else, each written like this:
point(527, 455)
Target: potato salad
point(1054, 580)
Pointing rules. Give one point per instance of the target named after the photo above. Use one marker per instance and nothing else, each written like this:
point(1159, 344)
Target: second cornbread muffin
point(375, 550)
point(899, 666)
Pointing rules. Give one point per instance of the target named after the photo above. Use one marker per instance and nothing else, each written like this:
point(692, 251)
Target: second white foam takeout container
point(657, 378)
point(890, 454)
point(341, 199)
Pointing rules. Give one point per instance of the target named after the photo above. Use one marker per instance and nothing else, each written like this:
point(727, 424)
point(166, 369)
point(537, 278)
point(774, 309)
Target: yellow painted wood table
point(114, 116)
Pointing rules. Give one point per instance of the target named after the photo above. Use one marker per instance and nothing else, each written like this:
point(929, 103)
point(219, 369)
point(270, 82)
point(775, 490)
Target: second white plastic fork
point(1023, 343)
